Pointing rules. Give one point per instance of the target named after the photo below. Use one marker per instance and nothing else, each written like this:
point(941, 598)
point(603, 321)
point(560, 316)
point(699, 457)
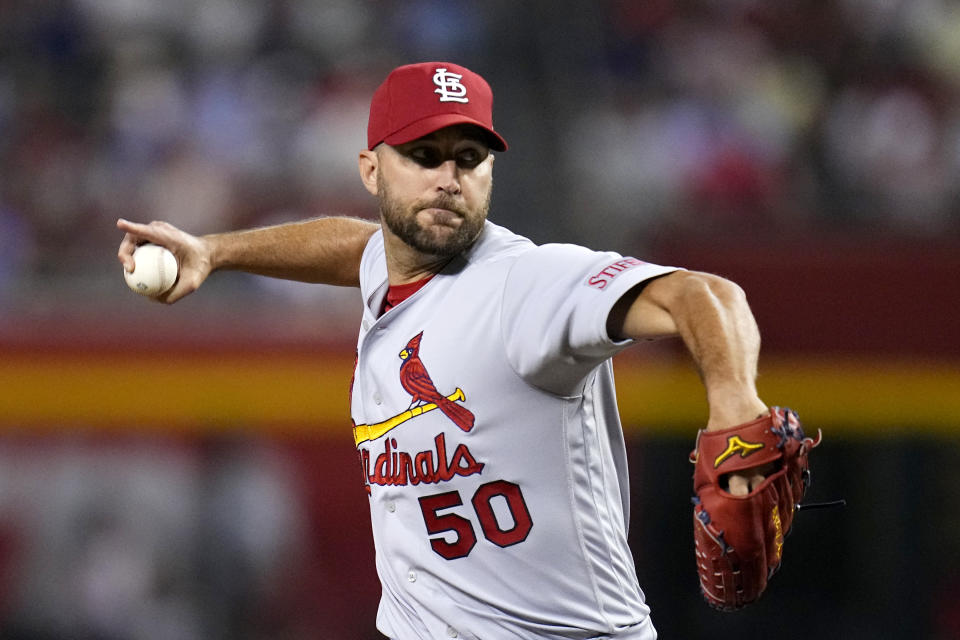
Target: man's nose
point(448, 177)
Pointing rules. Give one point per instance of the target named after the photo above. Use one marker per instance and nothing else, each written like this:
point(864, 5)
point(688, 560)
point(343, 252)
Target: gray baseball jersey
point(492, 452)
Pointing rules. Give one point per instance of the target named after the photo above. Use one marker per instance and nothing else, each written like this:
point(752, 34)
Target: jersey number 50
point(466, 537)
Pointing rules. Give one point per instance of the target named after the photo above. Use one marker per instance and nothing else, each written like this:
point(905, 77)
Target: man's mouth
point(442, 216)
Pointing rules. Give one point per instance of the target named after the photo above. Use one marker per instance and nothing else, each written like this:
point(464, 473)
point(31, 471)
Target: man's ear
point(368, 162)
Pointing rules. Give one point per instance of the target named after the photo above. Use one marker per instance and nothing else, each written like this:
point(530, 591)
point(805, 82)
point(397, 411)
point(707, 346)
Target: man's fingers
point(738, 485)
point(188, 281)
point(191, 252)
point(156, 232)
point(135, 228)
point(125, 253)
point(137, 234)
point(743, 482)
point(175, 292)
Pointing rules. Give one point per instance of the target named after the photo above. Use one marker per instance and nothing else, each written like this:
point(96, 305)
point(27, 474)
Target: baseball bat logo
point(416, 381)
point(424, 397)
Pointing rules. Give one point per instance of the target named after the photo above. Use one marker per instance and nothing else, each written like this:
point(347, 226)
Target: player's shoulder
point(561, 266)
point(375, 250)
point(561, 257)
point(519, 254)
point(498, 243)
point(561, 251)
point(373, 264)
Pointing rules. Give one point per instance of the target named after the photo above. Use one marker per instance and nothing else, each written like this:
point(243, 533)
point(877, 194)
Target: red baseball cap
point(418, 99)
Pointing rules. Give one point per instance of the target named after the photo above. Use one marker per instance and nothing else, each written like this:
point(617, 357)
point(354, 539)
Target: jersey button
point(452, 633)
point(391, 506)
point(412, 576)
point(377, 398)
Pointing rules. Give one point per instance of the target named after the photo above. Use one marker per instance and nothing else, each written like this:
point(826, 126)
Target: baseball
point(154, 271)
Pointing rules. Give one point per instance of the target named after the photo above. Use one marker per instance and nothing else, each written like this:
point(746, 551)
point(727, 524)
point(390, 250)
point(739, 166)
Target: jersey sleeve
point(373, 277)
point(556, 302)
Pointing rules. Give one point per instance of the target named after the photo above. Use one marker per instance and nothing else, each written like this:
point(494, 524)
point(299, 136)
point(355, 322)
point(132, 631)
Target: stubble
point(437, 240)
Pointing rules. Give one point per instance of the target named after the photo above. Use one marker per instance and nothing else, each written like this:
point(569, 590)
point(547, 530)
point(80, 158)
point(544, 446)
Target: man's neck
point(405, 264)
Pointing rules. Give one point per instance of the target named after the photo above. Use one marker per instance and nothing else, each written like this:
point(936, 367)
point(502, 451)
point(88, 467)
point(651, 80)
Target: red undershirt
point(397, 293)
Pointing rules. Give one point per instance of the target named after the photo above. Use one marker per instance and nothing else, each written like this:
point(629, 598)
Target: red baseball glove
point(739, 539)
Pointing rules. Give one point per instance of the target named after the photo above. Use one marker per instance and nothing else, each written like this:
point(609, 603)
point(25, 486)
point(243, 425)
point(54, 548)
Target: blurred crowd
point(627, 119)
point(741, 116)
point(158, 538)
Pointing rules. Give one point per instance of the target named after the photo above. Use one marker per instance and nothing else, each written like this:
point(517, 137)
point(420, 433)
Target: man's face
point(434, 192)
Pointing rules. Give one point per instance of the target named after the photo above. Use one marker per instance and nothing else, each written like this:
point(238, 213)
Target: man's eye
point(426, 157)
point(469, 158)
point(432, 157)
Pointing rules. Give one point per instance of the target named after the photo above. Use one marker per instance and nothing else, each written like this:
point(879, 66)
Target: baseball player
point(483, 400)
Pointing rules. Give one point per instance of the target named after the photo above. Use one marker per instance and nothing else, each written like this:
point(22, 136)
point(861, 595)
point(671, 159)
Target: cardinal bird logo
point(416, 381)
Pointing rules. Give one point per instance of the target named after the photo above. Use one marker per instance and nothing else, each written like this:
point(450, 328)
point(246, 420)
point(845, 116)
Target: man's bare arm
point(712, 317)
point(320, 250)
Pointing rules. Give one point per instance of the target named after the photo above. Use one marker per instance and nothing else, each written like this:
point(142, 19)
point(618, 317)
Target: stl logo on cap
point(417, 99)
point(449, 87)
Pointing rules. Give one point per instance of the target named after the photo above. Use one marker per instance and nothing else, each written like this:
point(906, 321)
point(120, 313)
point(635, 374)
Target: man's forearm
point(712, 317)
point(320, 250)
point(716, 324)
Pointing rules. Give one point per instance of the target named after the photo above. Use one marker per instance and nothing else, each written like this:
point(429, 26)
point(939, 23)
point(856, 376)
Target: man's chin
point(442, 241)
point(442, 249)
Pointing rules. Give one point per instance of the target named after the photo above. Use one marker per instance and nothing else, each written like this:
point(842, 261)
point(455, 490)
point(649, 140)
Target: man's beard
point(403, 223)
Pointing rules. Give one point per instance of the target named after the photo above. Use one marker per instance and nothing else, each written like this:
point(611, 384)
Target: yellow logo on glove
point(777, 531)
point(734, 446)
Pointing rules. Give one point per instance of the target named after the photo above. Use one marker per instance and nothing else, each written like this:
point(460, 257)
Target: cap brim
point(430, 124)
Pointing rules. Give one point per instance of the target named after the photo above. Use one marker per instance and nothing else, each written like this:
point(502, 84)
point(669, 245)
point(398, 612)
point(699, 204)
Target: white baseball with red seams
point(487, 430)
point(154, 271)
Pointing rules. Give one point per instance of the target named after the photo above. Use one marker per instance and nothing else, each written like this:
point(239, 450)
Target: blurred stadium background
point(188, 472)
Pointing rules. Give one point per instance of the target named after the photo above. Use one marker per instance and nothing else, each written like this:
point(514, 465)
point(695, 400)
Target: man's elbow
point(700, 284)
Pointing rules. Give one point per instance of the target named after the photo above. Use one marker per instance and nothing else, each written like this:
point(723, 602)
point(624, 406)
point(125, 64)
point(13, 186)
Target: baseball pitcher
point(483, 401)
